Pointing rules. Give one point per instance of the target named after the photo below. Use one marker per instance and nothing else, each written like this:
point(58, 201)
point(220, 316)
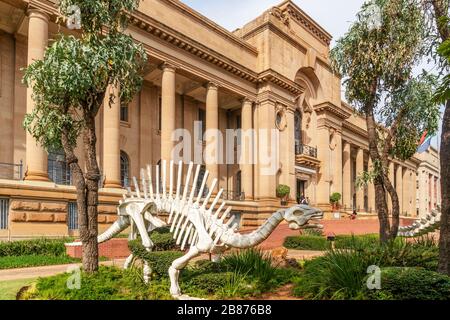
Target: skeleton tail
point(117, 227)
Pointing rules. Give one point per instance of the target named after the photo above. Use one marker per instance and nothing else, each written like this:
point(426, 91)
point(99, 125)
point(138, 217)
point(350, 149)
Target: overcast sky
point(333, 15)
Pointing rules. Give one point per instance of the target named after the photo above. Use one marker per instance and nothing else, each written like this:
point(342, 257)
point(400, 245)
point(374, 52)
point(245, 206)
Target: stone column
point(347, 176)
point(167, 111)
point(111, 143)
point(36, 156)
point(371, 190)
point(266, 171)
point(432, 196)
point(247, 144)
point(407, 191)
point(337, 163)
point(359, 170)
point(212, 130)
point(399, 187)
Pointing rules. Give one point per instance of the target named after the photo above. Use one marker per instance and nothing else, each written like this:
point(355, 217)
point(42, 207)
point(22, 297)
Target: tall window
point(58, 170)
point(124, 112)
point(159, 113)
point(124, 169)
point(298, 129)
point(202, 122)
point(201, 175)
point(238, 184)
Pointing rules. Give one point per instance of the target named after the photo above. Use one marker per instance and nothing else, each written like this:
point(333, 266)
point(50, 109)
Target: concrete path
point(46, 271)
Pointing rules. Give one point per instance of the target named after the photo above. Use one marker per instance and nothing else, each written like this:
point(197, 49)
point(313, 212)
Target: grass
point(9, 289)
point(12, 262)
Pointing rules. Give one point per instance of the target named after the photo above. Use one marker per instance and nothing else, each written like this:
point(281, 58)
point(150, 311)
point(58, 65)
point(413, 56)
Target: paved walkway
point(337, 227)
point(46, 271)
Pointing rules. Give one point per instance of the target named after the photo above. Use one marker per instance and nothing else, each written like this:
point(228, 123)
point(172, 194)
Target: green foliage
point(340, 273)
point(283, 190)
point(73, 77)
point(352, 241)
point(443, 91)
point(25, 261)
point(411, 284)
point(42, 246)
point(306, 242)
point(253, 262)
point(108, 283)
point(159, 261)
point(335, 197)
point(312, 232)
point(377, 65)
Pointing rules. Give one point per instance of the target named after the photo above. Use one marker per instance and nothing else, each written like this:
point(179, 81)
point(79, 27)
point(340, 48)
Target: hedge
point(411, 284)
point(48, 247)
point(311, 242)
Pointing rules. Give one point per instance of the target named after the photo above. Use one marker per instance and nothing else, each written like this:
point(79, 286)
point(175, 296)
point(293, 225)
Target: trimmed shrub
point(349, 241)
point(159, 261)
point(306, 242)
point(208, 283)
point(42, 246)
point(411, 284)
point(11, 262)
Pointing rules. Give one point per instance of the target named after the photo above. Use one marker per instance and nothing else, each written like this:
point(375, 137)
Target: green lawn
point(11, 262)
point(9, 289)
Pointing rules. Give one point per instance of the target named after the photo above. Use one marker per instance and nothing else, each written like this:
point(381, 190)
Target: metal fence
point(11, 171)
point(233, 195)
point(72, 219)
point(305, 150)
point(4, 213)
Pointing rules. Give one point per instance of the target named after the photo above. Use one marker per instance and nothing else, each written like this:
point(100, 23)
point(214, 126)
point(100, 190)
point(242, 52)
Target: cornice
point(355, 129)
point(199, 18)
point(294, 12)
point(271, 76)
point(329, 107)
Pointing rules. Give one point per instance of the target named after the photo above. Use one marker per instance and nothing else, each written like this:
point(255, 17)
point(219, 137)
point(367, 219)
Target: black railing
point(301, 149)
point(233, 195)
point(12, 171)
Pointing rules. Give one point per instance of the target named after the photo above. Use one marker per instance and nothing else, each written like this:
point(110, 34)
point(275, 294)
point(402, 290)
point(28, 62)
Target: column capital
point(212, 86)
point(36, 13)
point(247, 100)
point(168, 67)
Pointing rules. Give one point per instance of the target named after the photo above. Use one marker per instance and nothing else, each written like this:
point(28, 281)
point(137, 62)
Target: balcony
point(11, 171)
point(233, 195)
point(306, 156)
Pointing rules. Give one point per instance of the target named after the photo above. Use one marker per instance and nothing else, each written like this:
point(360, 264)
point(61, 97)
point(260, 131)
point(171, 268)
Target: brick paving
point(338, 227)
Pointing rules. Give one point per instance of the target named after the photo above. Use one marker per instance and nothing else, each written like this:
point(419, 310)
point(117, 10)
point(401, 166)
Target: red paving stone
point(338, 227)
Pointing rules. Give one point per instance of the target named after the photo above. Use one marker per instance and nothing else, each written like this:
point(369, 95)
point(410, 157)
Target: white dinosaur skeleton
point(194, 221)
point(429, 223)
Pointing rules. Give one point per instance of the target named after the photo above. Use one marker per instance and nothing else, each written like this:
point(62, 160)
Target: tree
point(439, 47)
point(376, 58)
point(69, 86)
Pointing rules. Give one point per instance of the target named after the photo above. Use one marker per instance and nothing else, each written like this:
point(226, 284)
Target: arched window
point(58, 170)
point(298, 131)
point(124, 169)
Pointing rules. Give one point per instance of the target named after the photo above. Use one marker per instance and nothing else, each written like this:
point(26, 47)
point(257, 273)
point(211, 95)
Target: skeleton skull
point(299, 216)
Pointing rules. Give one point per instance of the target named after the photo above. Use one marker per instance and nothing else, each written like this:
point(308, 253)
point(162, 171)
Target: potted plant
point(283, 192)
point(334, 200)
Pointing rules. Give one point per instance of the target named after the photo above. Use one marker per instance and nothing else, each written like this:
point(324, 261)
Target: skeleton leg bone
point(176, 267)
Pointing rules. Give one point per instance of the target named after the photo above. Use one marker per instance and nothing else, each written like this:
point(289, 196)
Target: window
point(124, 169)
point(124, 112)
point(238, 188)
point(159, 113)
point(202, 119)
point(298, 129)
point(58, 170)
point(4, 213)
point(72, 220)
point(239, 127)
point(201, 176)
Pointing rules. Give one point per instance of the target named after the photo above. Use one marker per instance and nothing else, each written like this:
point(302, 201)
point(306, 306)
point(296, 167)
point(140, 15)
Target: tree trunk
point(444, 240)
point(379, 183)
point(395, 208)
point(89, 236)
